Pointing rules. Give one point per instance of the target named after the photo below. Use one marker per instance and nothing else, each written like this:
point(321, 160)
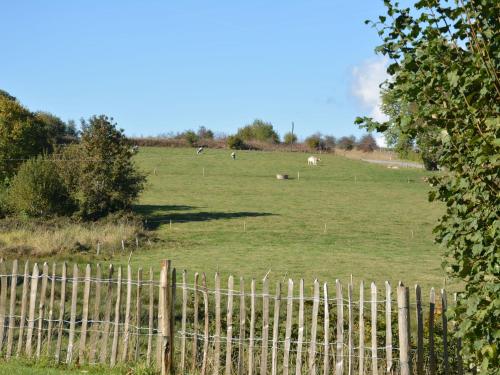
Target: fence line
point(76, 314)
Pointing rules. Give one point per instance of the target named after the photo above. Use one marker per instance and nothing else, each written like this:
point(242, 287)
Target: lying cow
point(313, 160)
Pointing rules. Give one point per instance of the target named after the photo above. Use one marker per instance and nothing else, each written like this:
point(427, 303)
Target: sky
point(167, 66)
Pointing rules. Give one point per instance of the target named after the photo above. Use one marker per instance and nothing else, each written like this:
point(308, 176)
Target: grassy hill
point(340, 218)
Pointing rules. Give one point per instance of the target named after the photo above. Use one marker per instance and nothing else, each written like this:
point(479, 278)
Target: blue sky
point(162, 66)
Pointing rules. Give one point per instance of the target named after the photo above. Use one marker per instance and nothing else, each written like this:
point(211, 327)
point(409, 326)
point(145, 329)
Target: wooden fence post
point(85, 315)
point(62, 304)
point(444, 307)
point(241, 339)
point(205, 325)
point(31, 316)
point(3, 300)
point(183, 322)
point(300, 335)
point(252, 328)
point(217, 337)
point(403, 331)
point(116, 331)
point(339, 368)
point(265, 326)
point(420, 331)
point(107, 317)
point(72, 323)
point(314, 329)
point(288, 329)
point(94, 335)
point(388, 327)
point(12, 308)
point(432, 354)
point(326, 332)
point(229, 325)
point(150, 316)
point(350, 335)
point(24, 303)
point(274, 355)
point(126, 325)
point(166, 307)
point(51, 308)
point(41, 308)
point(194, 350)
point(361, 328)
point(374, 328)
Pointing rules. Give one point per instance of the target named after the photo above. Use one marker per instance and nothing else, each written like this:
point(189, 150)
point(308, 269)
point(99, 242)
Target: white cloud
point(367, 78)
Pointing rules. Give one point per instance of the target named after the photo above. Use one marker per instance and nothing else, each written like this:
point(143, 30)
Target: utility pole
point(291, 143)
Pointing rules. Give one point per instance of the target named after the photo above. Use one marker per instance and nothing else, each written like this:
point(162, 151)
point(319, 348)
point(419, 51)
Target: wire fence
point(110, 316)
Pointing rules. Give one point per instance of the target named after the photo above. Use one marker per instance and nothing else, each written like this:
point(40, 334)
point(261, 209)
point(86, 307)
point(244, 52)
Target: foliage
point(313, 141)
point(258, 131)
point(204, 133)
point(347, 143)
point(107, 179)
point(289, 138)
point(235, 142)
point(191, 137)
point(21, 136)
point(58, 132)
point(444, 68)
point(367, 143)
point(37, 190)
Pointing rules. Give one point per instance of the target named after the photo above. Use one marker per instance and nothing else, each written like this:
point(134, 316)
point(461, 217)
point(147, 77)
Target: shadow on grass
point(155, 215)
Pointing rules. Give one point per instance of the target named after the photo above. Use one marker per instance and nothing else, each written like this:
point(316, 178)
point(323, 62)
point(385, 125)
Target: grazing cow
point(135, 149)
point(200, 150)
point(313, 160)
point(233, 155)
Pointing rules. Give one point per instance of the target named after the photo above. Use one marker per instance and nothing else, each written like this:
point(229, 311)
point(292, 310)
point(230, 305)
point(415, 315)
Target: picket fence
point(111, 319)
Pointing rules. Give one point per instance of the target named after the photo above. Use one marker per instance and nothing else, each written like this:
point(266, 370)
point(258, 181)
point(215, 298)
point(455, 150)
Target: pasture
point(343, 217)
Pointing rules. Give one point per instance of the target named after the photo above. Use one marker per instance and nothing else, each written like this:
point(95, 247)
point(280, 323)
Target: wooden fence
point(106, 316)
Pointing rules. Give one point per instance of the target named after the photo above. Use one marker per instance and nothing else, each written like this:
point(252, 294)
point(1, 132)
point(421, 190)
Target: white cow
point(313, 160)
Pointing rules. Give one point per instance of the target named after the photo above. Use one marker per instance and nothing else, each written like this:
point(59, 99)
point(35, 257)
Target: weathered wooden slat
point(314, 329)
point(183, 323)
point(432, 354)
point(172, 295)
point(166, 360)
point(241, 337)
point(72, 322)
point(374, 328)
point(251, 341)
point(3, 300)
point(194, 347)
point(229, 325)
point(24, 304)
point(94, 332)
point(388, 328)
point(350, 334)
point(137, 320)
point(85, 315)
point(116, 332)
point(420, 331)
point(444, 306)
point(107, 317)
point(31, 315)
point(150, 316)
point(288, 328)
point(339, 367)
point(205, 325)
point(300, 333)
point(51, 308)
point(459, 362)
point(326, 331)
point(404, 358)
point(276, 317)
point(126, 325)
point(12, 309)
point(41, 308)
point(361, 328)
point(217, 324)
point(265, 326)
point(62, 310)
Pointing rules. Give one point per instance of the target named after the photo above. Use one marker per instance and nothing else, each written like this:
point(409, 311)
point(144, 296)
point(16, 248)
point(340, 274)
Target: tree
point(234, 142)
point(444, 68)
point(204, 133)
point(22, 136)
point(347, 143)
point(367, 143)
point(108, 179)
point(289, 138)
point(258, 131)
point(58, 132)
point(313, 141)
point(330, 142)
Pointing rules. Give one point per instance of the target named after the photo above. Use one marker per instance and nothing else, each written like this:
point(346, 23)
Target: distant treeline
point(258, 135)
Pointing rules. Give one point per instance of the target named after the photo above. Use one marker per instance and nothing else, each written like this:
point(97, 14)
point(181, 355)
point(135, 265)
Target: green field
point(341, 218)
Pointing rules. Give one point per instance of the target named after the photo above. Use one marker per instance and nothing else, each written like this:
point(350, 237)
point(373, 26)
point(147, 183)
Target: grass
point(343, 217)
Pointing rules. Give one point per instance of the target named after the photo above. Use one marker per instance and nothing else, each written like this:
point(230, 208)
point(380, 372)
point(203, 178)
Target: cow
point(313, 160)
point(233, 155)
point(200, 150)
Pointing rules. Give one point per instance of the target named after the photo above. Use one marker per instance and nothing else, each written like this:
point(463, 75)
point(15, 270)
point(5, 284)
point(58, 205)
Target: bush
point(204, 133)
point(347, 143)
point(107, 180)
point(191, 137)
point(234, 142)
point(37, 190)
point(290, 138)
point(259, 131)
point(367, 143)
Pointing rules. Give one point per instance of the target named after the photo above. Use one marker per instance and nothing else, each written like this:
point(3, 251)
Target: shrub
point(234, 142)
point(367, 143)
point(258, 131)
point(289, 138)
point(107, 180)
point(313, 142)
point(37, 190)
point(191, 137)
point(204, 133)
point(347, 143)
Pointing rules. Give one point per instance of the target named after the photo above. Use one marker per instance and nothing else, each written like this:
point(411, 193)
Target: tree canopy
point(444, 70)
